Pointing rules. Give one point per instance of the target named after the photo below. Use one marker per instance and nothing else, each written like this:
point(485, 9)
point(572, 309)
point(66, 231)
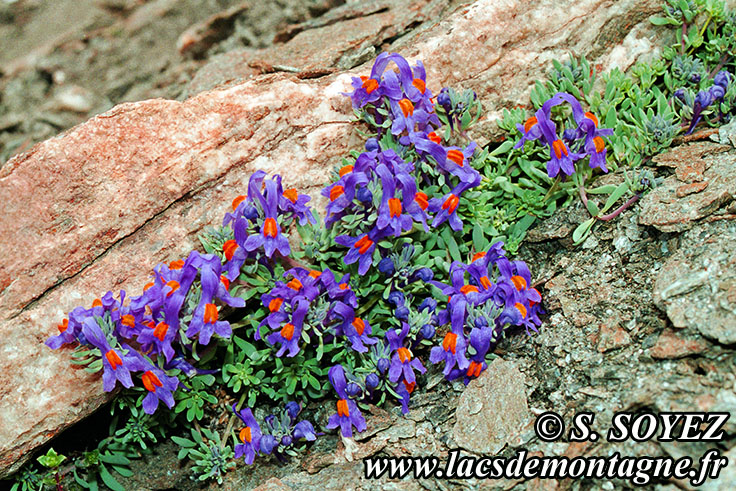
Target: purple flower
point(354, 328)
point(404, 390)
point(452, 160)
point(480, 340)
point(348, 414)
point(531, 129)
point(390, 211)
point(205, 319)
point(250, 436)
point(402, 362)
point(338, 290)
point(342, 192)
point(295, 204)
point(290, 334)
point(560, 156)
point(452, 352)
point(270, 237)
point(160, 386)
point(116, 363)
point(361, 250)
point(164, 298)
point(70, 329)
point(382, 83)
point(446, 207)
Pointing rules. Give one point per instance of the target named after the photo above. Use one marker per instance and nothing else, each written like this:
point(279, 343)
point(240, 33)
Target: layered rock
point(97, 207)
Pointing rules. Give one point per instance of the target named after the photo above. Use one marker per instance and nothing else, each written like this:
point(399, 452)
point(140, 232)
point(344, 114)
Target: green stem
point(229, 427)
point(705, 26)
point(623, 207)
point(552, 188)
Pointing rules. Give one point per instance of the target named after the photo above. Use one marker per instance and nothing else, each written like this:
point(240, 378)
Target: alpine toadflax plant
point(356, 310)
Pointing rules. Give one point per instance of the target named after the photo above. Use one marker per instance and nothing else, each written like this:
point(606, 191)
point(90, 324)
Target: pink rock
point(97, 207)
point(670, 346)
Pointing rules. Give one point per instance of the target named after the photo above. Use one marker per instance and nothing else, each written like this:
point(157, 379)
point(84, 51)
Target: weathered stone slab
point(703, 182)
point(493, 411)
point(697, 286)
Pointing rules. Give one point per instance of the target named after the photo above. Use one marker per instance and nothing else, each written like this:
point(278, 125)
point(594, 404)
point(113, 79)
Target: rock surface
point(492, 411)
point(697, 288)
point(699, 186)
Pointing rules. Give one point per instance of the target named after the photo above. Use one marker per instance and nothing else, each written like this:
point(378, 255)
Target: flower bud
point(402, 313)
point(443, 99)
point(251, 212)
point(386, 266)
point(372, 381)
point(695, 78)
point(286, 440)
point(717, 92)
point(396, 298)
point(371, 144)
point(293, 409)
point(304, 429)
point(353, 389)
point(722, 79)
point(383, 365)
point(424, 274)
point(703, 98)
point(428, 303)
point(364, 195)
point(427, 331)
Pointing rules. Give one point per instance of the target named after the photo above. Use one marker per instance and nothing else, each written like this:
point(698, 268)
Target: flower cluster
point(259, 219)
point(585, 140)
point(409, 178)
point(484, 297)
point(277, 436)
point(699, 104)
point(377, 196)
point(153, 321)
point(313, 304)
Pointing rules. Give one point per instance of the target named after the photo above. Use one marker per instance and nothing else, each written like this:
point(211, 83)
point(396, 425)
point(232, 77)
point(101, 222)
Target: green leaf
point(662, 21)
point(593, 208)
point(505, 147)
point(110, 481)
point(616, 195)
point(109, 458)
point(611, 118)
point(451, 244)
point(479, 239)
point(607, 189)
point(582, 230)
point(123, 471)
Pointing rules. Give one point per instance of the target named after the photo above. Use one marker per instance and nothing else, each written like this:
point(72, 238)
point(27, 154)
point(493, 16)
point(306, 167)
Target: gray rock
point(493, 411)
point(697, 286)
